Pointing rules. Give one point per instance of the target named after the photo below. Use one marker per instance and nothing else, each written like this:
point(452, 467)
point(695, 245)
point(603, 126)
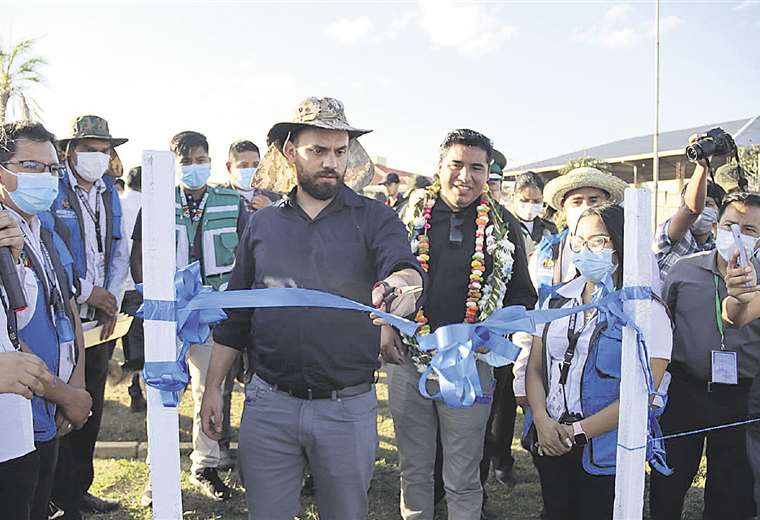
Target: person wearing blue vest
point(206, 225)
point(87, 215)
point(29, 185)
point(573, 376)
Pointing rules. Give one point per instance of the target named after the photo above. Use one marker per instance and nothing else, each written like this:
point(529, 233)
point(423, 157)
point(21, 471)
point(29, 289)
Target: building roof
point(745, 131)
point(382, 170)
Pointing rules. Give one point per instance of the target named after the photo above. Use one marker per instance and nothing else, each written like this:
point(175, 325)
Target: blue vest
point(68, 214)
point(41, 337)
point(547, 253)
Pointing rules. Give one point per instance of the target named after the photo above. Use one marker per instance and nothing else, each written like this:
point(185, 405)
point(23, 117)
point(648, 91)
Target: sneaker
point(207, 479)
point(54, 511)
point(226, 459)
point(91, 504)
point(146, 500)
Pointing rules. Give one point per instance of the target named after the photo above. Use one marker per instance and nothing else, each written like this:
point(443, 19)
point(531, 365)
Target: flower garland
point(491, 237)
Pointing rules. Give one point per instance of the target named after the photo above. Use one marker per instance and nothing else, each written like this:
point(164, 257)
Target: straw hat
point(584, 177)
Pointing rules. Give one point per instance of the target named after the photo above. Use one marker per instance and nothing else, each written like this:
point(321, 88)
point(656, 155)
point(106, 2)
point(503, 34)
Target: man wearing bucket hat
point(88, 212)
point(496, 174)
point(312, 399)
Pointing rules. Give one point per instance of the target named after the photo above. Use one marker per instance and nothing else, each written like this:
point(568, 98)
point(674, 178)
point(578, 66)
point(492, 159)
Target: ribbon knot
point(193, 327)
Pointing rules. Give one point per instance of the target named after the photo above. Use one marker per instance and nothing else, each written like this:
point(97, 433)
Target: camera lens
point(694, 152)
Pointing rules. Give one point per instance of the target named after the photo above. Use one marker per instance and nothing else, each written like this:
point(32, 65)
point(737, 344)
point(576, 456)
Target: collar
point(573, 289)
point(707, 260)
point(73, 181)
point(345, 197)
point(441, 206)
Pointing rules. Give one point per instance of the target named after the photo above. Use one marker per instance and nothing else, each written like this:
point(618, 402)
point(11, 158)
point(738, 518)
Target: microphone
point(10, 280)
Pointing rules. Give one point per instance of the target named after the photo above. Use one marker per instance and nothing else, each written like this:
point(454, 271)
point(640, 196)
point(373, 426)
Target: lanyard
point(718, 313)
point(94, 215)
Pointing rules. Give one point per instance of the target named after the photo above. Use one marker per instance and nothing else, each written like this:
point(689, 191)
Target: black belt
point(310, 394)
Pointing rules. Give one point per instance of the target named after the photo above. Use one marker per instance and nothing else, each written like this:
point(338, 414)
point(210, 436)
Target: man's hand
point(103, 300)
point(392, 348)
point(76, 409)
point(211, 412)
point(260, 201)
point(108, 323)
point(741, 282)
point(23, 374)
point(10, 235)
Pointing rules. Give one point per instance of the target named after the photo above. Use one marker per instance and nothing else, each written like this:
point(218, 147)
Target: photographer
point(574, 369)
point(691, 228)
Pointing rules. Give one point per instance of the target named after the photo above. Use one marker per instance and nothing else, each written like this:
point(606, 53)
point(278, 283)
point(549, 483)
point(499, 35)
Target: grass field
point(124, 480)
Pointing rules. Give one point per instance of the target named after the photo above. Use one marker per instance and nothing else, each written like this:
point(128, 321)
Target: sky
point(539, 78)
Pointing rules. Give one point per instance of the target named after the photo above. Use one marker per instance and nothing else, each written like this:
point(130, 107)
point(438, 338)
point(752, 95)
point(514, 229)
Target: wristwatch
point(579, 435)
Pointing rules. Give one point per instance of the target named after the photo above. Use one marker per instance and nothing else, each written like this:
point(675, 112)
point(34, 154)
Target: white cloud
point(466, 26)
point(618, 12)
point(670, 23)
point(746, 4)
point(349, 31)
point(399, 24)
point(617, 30)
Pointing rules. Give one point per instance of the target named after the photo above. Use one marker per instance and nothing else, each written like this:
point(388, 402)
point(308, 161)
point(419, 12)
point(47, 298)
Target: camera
point(715, 142)
point(570, 418)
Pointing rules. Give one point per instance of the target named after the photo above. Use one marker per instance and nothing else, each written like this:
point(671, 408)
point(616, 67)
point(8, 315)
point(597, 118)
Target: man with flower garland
point(472, 249)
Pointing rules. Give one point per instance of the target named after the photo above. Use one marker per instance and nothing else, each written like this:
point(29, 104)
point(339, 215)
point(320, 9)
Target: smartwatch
point(579, 435)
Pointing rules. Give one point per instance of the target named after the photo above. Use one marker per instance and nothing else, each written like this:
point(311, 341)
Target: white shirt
point(131, 202)
point(659, 342)
point(96, 267)
point(16, 426)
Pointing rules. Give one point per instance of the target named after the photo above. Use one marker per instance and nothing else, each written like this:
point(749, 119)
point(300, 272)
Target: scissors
point(390, 293)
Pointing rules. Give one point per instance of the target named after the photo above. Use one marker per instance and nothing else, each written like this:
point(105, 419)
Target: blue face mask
point(245, 176)
point(35, 192)
point(195, 176)
point(597, 268)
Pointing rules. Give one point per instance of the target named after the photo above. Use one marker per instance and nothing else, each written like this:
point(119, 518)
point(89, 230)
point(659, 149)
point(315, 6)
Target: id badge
point(724, 367)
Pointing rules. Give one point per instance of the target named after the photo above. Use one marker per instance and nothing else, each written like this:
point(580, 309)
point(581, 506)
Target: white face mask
point(92, 165)
point(705, 221)
point(528, 211)
point(724, 243)
point(573, 215)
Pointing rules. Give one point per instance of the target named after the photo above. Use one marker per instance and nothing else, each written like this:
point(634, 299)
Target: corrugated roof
point(746, 131)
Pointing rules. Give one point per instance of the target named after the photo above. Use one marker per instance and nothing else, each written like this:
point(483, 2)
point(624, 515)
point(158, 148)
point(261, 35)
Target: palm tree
point(19, 71)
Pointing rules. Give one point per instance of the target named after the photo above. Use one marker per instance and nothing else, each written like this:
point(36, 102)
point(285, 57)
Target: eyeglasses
point(456, 223)
point(594, 244)
point(37, 166)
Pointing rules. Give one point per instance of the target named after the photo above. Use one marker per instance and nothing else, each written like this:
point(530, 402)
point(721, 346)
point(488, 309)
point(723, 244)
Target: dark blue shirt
point(350, 245)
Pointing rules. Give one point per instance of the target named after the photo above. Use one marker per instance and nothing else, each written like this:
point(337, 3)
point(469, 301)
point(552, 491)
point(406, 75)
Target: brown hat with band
point(91, 127)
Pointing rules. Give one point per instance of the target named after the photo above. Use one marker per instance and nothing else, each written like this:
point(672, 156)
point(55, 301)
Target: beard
point(318, 184)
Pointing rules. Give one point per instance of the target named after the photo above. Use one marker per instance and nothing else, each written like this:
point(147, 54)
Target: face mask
point(528, 211)
point(35, 192)
point(92, 165)
point(597, 268)
point(724, 243)
point(244, 178)
point(194, 176)
point(705, 221)
point(573, 215)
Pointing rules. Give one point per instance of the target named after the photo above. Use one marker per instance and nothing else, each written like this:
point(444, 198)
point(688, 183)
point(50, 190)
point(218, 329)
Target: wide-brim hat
point(91, 127)
point(313, 112)
point(557, 189)
point(498, 158)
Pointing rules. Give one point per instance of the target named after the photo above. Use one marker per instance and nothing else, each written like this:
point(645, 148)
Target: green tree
point(19, 70)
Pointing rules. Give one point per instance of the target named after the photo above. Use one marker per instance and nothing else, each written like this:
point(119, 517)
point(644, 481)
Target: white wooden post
point(632, 426)
point(159, 262)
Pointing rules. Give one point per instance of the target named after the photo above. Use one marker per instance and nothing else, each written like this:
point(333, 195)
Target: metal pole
point(656, 143)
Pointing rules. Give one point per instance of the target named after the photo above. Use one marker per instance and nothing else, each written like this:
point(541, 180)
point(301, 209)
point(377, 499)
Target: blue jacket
point(68, 214)
point(547, 253)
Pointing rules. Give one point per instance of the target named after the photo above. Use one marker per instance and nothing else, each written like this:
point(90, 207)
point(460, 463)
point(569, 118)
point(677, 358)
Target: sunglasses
point(456, 223)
